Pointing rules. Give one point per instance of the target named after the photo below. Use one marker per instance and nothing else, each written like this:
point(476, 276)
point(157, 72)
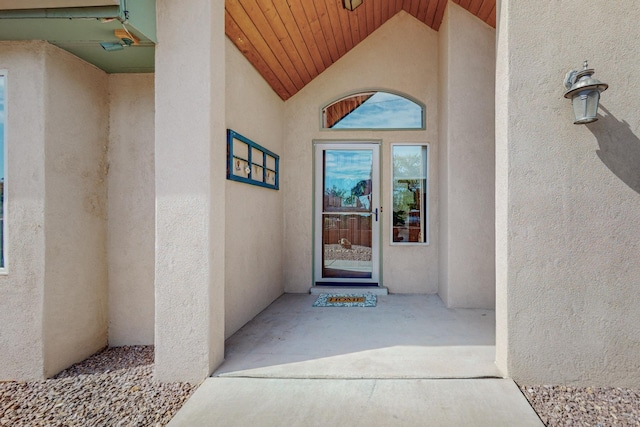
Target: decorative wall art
point(251, 163)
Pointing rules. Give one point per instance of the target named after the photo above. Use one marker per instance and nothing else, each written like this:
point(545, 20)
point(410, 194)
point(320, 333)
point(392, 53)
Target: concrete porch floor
point(409, 361)
point(404, 336)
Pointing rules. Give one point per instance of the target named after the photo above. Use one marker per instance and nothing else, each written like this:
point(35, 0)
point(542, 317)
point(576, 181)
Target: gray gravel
point(584, 406)
point(115, 388)
point(112, 388)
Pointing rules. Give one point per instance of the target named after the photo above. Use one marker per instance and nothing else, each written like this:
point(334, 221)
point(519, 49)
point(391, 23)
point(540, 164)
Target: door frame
point(376, 202)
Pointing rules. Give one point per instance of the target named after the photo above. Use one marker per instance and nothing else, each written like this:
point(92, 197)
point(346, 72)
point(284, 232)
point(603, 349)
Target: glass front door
point(347, 213)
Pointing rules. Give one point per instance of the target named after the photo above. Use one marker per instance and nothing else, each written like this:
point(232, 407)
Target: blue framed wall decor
point(251, 163)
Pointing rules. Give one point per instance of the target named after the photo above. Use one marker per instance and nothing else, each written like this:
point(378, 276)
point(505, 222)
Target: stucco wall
point(402, 56)
point(254, 241)
point(76, 140)
point(22, 287)
point(467, 160)
point(190, 154)
point(568, 196)
point(131, 209)
point(444, 33)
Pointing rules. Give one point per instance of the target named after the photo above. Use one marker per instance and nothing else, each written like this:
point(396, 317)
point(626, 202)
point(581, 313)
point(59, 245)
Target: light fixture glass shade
point(351, 4)
point(585, 106)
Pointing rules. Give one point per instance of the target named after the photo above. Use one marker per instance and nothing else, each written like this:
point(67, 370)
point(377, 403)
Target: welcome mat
point(345, 300)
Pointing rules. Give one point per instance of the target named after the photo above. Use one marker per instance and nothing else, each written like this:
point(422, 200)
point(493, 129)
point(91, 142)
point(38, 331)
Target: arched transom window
point(373, 110)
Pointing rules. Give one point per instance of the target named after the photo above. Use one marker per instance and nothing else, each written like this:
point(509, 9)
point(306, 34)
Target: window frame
point(251, 148)
point(427, 194)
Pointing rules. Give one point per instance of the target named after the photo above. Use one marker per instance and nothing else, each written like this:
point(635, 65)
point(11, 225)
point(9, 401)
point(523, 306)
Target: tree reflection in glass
point(409, 220)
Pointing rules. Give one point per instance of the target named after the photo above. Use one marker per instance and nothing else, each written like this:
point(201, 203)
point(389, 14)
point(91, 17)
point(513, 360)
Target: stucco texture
point(467, 160)
point(54, 290)
point(131, 209)
point(22, 285)
point(567, 196)
point(190, 154)
point(401, 56)
point(76, 140)
point(253, 256)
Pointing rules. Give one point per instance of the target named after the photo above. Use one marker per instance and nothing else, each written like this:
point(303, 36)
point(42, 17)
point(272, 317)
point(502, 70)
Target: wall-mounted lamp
point(351, 4)
point(584, 92)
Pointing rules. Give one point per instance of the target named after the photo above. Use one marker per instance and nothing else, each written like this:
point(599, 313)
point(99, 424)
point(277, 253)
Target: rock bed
point(115, 388)
point(584, 406)
point(112, 388)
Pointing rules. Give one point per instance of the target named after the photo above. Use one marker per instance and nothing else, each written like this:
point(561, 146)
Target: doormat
point(345, 300)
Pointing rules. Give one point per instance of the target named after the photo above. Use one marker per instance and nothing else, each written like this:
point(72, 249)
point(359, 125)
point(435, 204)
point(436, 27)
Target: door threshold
point(375, 290)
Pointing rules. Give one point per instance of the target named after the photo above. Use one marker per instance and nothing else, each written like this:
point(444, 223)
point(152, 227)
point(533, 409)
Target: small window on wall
point(373, 110)
point(410, 220)
point(3, 121)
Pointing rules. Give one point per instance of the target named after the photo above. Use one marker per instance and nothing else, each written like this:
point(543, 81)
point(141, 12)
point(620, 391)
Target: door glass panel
point(346, 242)
point(347, 214)
point(347, 180)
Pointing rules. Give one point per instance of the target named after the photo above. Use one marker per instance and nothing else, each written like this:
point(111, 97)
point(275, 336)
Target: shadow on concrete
point(404, 336)
point(619, 148)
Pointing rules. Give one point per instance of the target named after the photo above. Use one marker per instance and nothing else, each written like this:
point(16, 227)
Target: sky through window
point(383, 110)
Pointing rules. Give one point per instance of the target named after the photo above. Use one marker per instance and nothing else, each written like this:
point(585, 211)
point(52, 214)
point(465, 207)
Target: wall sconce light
point(351, 4)
point(584, 92)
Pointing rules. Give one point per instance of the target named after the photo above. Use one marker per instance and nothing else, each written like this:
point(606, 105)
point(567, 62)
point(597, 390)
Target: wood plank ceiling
point(290, 42)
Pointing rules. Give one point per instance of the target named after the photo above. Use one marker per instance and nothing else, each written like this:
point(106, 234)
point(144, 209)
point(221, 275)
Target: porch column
point(190, 181)
point(567, 196)
point(466, 160)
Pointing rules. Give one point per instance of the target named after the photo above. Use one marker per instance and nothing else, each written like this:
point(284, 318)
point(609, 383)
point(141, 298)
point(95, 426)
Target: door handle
point(376, 213)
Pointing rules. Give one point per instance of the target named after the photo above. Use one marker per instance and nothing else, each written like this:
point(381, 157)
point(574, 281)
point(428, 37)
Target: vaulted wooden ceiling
point(290, 42)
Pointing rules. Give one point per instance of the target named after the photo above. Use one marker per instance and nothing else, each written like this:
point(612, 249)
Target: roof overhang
point(81, 30)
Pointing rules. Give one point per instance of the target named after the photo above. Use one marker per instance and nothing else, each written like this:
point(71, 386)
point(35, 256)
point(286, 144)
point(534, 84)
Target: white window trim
point(426, 190)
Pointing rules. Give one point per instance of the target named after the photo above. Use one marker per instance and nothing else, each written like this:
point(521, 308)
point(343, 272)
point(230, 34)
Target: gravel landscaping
point(584, 406)
point(115, 388)
point(112, 388)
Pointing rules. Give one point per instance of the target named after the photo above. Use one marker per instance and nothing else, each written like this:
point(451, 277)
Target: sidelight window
point(410, 198)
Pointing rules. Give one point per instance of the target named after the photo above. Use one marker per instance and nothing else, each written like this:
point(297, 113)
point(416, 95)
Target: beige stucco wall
point(22, 287)
point(467, 166)
point(401, 56)
point(76, 140)
point(190, 177)
point(568, 196)
point(54, 289)
point(131, 209)
point(253, 254)
point(444, 34)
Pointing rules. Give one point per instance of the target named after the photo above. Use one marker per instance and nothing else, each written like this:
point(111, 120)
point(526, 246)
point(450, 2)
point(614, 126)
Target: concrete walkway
point(409, 361)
